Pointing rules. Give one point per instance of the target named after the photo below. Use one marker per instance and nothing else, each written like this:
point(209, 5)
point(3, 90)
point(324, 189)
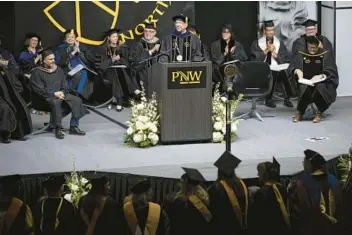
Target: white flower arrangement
point(219, 117)
point(78, 187)
point(143, 126)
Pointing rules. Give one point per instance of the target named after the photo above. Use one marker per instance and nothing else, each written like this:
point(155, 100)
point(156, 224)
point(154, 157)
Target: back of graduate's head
point(142, 192)
point(313, 161)
point(100, 186)
point(226, 164)
point(10, 185)
point(54, 185)
point(269, 171)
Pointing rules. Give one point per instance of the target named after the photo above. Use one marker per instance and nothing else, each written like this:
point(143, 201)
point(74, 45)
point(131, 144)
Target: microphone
point(229, 84)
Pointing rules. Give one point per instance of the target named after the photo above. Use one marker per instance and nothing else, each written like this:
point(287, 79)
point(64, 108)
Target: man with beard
point(311, 30)
point(144, 55)
point(271, 50)
point(317, 65)
point(224, 50)
point(49, 83)
point(181, 45)
point(15, 119)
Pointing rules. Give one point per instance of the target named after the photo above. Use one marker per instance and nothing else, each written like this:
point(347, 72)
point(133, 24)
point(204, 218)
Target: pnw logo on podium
point(137, 29)
point(187, 77)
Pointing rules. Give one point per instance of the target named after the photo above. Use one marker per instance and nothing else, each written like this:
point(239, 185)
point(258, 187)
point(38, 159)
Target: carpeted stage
point(103, 150)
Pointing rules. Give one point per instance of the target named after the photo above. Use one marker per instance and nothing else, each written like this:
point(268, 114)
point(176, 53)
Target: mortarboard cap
point(98, 181)
point(275, 169)
point(10, 180)
point(71, 31)
point(141, 187)
point(193, 176)
point(315, 158)
point(150, 26)
point(54, 183)
point(312, 40)
point(181, 17)
point(227, 163)
point(268, 23)
point(33, 35)
point(309, 23)
point(112, 31)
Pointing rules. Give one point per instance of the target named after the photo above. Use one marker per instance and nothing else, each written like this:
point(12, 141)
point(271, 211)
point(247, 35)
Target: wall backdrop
point(288, 16)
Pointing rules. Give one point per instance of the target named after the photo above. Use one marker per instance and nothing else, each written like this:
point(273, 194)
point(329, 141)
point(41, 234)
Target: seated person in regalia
point(69, 55)
point(317, 65)
point(114, 53)
point(205, 50)
point(29, 56)
point(49, 84)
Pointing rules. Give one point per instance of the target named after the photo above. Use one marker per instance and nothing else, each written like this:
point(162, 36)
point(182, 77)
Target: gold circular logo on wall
point(153, 17)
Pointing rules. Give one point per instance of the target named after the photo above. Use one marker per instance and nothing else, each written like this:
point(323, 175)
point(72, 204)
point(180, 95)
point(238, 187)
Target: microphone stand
point(228, 120)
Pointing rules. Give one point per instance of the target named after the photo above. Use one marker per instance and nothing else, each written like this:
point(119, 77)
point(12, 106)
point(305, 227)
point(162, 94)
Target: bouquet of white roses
point(219, 117)
point(143, 126)
point(78, 186)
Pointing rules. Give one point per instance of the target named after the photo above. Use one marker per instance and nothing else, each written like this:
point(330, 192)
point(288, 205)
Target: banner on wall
point(288, 16)
point(92, 18)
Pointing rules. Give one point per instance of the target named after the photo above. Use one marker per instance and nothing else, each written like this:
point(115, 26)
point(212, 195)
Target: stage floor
point(102, 149)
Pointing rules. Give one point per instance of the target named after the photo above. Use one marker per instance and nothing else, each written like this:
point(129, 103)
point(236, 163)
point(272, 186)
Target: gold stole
point(57, 222)
point(96, 213)
point(12, 212)
point(199, 205)
point(235, 204)
point(152, 219)
point(281, 204)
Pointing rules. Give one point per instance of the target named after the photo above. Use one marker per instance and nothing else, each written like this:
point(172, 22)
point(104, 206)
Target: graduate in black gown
point(315, 199)
point(29, 57)
point(70, 54)
point(145, 50)
point(115, 52)
point(347, 201)
point(181, 45)
point(229, 198)
point(268, 212)
point(49, 85)
point(98, 213)
point(15, 215)
point(143, 216)
point(311, 30)
point(204, 49)
point(188, 209)
point(15, 119)
point(223, 50)
point(54, 215)
point(315, 64)
point(271, 50)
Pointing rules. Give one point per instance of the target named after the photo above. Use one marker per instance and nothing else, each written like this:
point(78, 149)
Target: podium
point(184, 94)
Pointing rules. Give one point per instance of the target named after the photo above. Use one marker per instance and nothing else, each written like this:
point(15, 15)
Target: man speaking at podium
point(181, 45)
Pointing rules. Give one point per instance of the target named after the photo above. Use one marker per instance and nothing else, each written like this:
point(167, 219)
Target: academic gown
point(140, 52)
point(54, 210)
point(305, 205)
point(224, 219)
point(141, 211)
point(185, 218)
point(300, 44)
point(327, 88)
point(44, 84)
point(82, 81)
point(188, 46)
point(22, 224)
point(26, 61)
point(110, 220)
point(258, 47)
point(123, 84)
point(217, 56)
point(17, 119)
point(266, 216)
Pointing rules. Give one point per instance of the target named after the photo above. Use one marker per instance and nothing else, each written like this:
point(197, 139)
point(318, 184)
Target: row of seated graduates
point(227, 206)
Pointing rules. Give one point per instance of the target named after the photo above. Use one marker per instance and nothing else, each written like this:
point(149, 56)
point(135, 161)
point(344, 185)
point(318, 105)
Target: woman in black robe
point(188, 209)
point(10, 89)
point(145, 50)
point(228, 198)
point(115, 53)
point(268, 213)
point(54, 215)
point(224, 50)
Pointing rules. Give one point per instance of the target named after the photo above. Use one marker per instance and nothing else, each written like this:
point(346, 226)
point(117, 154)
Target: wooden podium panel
point(184, 93)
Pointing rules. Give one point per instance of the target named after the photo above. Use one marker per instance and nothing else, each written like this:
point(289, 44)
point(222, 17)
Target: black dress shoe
point(76, 131)
point(119, 109)
point(59, 134)
point(6, 139)
point(288, 103)
point(270, 103)
point(22, 138)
